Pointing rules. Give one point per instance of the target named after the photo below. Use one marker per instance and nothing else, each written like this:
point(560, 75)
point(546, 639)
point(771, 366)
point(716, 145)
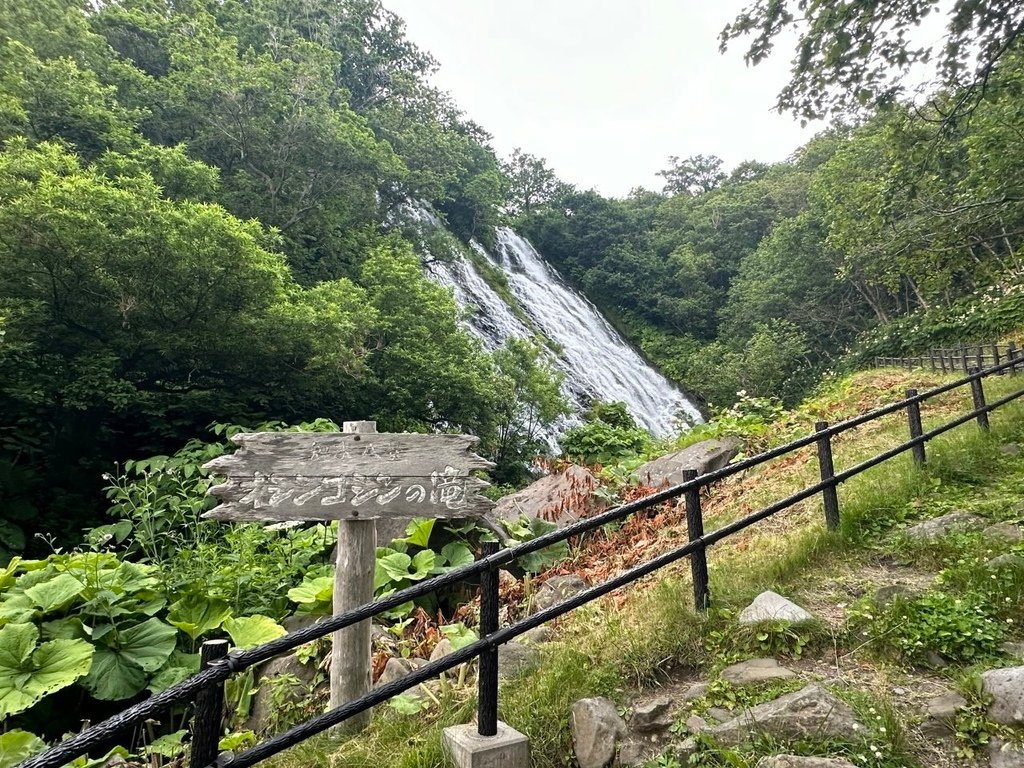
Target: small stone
point(596, 728)
point(940, 526)
point(1013, 649)
point(756, 671)
point(811, 711)
point(1004, 532)
point(1009, 560)
point(941, 714)
point(719, 715)
point(395, 669)
point(1002, 755)
point(684, 749)
point(795, 761)
point(651, 716)
point(515, 658)
point(537, 635)
point(898, 691)
point(696, 724)
point(1006, 687)
point(1010, 449)
point(694, 692)
point(443, 648)
point(632, 753)
point(557, 589)
point(935, 661)
point(771, 606)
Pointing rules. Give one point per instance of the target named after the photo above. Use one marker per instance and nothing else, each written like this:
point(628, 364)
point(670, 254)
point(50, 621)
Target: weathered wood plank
point(335, 453)
point(444, 493)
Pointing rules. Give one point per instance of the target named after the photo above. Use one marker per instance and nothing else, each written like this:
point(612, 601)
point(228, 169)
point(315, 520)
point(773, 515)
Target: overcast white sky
point(606, 90)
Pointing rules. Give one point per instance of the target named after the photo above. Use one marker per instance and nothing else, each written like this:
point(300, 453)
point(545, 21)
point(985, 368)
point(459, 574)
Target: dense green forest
point(876, 237)
point(193, 205)
point(202, 222)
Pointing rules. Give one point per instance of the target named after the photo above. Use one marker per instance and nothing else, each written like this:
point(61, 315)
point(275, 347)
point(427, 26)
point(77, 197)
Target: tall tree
point(692, 175)
point(530, 182)
point(852, 55)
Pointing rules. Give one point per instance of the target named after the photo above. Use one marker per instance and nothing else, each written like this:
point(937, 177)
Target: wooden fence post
point(942, 359)
point(963, 358)
point(487, 680)
point(828, 471)
point(931, 358)
point(981, 358)
point(351, 661)
point(699, 557)
point(995, 356)
point(208, 719)
point(916, 430)
point(1011, 353)
point(978, 394)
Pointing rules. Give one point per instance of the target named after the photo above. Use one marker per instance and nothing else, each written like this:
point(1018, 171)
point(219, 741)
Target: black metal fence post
point(916, 430)
point(828, 471)
point(487, 680)
point(207, 722)
point(978, 393)
point(698, 558)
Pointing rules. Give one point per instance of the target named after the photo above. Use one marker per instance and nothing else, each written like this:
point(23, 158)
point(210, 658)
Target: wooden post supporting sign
point(355, 477)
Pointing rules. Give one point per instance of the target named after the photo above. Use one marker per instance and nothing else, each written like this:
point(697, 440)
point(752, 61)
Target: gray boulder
point(811, 711)
point(1004, 532)
point(1009, 560)
point(1003, 755)
point(537, 635)
point(771, 606)
point(795, 761)
point(1006, 687)
point(703, 457)
point(941, 714)
point(937, 527)
point(515, 658)
point(756, 671)
point(556, 589)
point(561, 498)
point(596, 730)
point(652, 716)
point(288, 669)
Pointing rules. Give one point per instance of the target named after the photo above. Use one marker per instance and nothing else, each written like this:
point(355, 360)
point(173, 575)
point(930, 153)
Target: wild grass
point(637, 638)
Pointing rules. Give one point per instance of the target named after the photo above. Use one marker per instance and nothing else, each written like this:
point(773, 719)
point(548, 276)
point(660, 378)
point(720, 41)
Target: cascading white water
point(601, 363)
point(598, 363)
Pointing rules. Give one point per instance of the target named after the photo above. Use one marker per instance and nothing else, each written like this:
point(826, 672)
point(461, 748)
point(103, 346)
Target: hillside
point(899, 622)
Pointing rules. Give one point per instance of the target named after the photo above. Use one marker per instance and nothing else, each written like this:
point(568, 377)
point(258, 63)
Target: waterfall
point(598, 363)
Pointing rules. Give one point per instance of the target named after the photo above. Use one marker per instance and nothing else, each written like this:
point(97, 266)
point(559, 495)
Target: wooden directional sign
point(286, 476)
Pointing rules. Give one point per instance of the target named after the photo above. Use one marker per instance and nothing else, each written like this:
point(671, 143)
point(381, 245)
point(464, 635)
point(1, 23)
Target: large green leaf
point(55, 593)
point(16, 746)
point(113, 677)
point(196, 615)
point(17, 609)
point(250, 631)
point(313, 590)
point(456, 554)
point(422, 565)
point(178, 667)
point(148, 644)
point(16, 644)
point(418, 531)
point(393, 567)
point(27, 675)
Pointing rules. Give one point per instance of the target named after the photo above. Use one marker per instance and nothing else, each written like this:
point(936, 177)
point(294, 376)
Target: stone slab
point(468, 749)
point(771, 606)
point(703, 457)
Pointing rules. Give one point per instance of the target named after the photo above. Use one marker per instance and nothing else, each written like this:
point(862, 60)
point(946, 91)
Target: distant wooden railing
point(963, 359)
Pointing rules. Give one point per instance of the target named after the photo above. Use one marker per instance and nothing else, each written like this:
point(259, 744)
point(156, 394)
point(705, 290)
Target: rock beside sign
point(561, 498)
